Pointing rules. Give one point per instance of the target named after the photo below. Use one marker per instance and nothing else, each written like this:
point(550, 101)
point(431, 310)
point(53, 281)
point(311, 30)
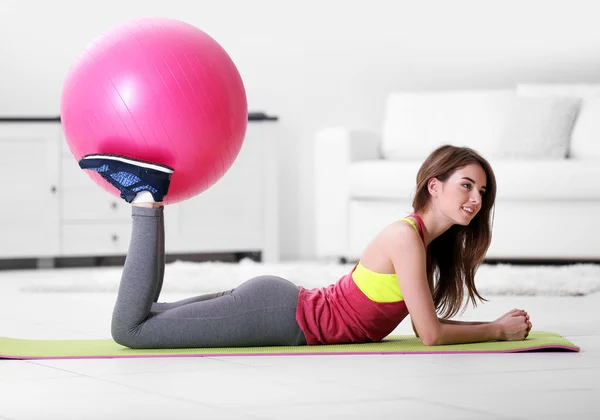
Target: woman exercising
point(421, 265)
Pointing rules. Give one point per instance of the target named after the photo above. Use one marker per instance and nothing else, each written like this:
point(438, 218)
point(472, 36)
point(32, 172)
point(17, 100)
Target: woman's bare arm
point(453, 322)
point(408, 258)
point(513, 312)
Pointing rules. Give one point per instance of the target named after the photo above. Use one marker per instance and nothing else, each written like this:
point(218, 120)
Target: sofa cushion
point(383, 179)
point(547, 179)
point(415, 123)
point(575, 90)
point(517, 179)
point(538, 128)
point(585, 137)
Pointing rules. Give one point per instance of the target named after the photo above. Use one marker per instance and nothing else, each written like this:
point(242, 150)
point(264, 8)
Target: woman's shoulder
point(402, 233)
point(403, 246)
point(397, 240)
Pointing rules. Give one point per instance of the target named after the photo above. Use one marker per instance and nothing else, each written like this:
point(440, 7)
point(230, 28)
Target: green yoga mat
point(14, 348)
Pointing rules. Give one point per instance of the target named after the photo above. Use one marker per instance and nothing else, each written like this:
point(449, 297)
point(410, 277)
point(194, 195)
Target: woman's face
point(462, 193)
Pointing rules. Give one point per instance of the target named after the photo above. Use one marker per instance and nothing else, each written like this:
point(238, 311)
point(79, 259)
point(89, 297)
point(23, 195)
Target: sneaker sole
point(143, 164)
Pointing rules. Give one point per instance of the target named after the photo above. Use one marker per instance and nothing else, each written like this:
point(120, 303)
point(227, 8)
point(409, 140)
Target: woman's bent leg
point(164, 306)
point(161, 262)
point(140, 280)
point(161, 255)
point(260, 312)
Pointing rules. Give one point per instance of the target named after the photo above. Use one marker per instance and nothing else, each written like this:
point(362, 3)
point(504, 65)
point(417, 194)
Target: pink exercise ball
point(158, 90)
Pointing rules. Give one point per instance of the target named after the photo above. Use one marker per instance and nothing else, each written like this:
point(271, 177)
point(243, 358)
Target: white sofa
point(543, 142)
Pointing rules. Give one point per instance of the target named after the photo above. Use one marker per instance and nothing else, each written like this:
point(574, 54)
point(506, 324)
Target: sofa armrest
point(335, 149)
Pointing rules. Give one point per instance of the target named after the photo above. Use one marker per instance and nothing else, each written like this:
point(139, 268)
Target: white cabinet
point(54, 209)
point(92, 222)
point(240, 210)
point(29, 170)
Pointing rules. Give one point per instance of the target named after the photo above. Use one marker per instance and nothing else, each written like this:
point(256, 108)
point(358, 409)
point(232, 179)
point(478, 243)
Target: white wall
point(316, 63)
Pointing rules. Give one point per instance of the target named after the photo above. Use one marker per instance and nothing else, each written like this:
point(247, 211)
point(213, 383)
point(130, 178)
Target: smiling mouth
point(470, 212)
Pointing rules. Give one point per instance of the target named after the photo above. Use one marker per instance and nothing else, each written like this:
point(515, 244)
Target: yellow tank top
point(379, 287)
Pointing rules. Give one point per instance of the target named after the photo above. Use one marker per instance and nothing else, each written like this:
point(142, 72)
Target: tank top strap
point(421, 226)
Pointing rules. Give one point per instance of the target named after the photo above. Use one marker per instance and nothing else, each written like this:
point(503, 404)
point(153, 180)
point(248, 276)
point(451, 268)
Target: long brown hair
point(454, 257)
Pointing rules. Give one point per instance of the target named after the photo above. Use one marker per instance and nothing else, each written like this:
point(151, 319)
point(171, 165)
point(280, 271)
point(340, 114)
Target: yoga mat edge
point(26, 349)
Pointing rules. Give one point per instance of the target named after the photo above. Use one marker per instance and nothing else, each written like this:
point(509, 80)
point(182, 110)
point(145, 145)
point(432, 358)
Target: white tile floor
point(504, 386)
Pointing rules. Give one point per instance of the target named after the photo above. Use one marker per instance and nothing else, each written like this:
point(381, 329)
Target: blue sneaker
point(130, 176)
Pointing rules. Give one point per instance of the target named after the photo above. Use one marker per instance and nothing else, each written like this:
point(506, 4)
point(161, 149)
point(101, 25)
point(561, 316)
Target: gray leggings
point(260, 312)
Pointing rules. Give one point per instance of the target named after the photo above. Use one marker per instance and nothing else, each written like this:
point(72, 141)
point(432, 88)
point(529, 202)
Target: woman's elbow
point(429, 341)
point(431, 336)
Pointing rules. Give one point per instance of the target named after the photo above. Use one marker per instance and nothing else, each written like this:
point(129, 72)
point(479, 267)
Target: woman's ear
point(433, 185)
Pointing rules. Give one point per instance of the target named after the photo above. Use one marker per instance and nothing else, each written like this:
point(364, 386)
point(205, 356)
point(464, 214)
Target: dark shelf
point(252, 116)
point(28, 119)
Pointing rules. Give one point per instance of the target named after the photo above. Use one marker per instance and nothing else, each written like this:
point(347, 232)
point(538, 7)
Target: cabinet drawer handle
point(115, 238)
point(53, 189)
point(113, 205)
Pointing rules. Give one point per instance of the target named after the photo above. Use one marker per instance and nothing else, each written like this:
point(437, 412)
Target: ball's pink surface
point(159, 90)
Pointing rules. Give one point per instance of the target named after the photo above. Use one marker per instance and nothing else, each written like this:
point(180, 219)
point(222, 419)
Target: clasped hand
point(514, 325)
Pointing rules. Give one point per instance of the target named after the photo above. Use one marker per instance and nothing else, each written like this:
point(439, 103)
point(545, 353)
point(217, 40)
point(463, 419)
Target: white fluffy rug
point(208, 277)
